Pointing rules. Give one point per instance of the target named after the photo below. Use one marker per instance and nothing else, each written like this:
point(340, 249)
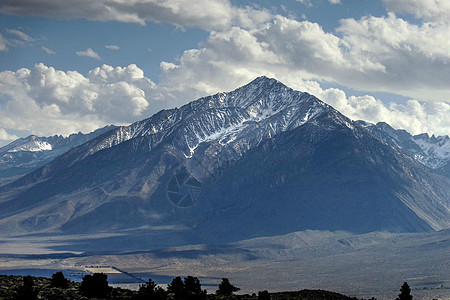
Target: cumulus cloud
point(112, 47)
point(385, 54)
point(206, 14)
point(53, 101)
point(414, 116)
point(378, 54)
point(415, 59)
point(428, 10)
point(89, 53)
point(21, 35)
point(48, 51)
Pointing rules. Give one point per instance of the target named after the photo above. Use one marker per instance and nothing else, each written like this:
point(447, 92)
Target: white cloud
point(3, 46)
point(21, 35)
point(306, 2)
point(375, 54)
point(429, 10)
point(48, 51)
point(415, 59)
point(334, 1)
point(283, 46)
point(89, 53)
point(379, 54)
point(112, 47)
point(53, 101)
point(46, 101)
point(6, 137)
point(15, 38)
point(414, 116)
point(385, 54)
point(206, 14)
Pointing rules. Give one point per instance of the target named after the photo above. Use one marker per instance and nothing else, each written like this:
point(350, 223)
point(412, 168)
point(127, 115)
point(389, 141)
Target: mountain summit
point(260, 160)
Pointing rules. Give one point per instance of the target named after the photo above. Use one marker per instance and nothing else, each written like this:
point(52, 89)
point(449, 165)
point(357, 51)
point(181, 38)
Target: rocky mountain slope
point(261, 160)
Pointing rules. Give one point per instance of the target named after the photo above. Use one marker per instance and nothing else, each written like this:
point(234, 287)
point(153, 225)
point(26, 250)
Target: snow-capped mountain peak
point(225, 118)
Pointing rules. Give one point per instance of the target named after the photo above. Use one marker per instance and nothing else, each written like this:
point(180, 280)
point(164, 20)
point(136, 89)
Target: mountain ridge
point(27, 154)
point(433, 151)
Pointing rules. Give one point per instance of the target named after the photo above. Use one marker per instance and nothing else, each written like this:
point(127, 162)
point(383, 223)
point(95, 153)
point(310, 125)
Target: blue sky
point(69, 66)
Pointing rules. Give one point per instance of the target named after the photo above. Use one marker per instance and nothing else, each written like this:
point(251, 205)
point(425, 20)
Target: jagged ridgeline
point(25, 155)
point(260, 160)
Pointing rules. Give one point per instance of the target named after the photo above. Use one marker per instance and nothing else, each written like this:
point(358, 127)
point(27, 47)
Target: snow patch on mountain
point(33, 146)
point(436, 150)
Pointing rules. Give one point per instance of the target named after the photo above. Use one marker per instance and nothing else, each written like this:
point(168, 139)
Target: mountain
point(260, 160)
point(433, 151)
point(27, 154)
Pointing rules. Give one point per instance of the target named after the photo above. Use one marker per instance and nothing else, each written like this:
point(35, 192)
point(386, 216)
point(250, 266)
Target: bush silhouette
point(95, 286)
point(59, 281)
point(226, 288)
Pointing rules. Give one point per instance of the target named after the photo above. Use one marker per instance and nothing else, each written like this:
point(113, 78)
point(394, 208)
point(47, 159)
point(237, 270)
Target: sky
point(76, 65)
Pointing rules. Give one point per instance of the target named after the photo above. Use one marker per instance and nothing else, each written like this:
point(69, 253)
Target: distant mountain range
point(27, 154)
point(261, 160)
point(433, 152)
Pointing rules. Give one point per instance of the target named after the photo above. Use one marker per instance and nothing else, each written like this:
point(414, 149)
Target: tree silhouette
point(226, 288)
point(193, 289)
point(405, 292)
point(95, 286)
point(59, 281)
point(176, 288)
point(189, 289)
point(150, 290)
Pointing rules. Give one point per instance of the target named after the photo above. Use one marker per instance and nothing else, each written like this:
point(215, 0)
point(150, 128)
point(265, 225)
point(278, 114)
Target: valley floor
point(362, 266)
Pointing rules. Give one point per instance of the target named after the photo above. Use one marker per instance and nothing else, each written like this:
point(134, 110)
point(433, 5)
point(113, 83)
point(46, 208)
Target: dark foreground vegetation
point(96, 286)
